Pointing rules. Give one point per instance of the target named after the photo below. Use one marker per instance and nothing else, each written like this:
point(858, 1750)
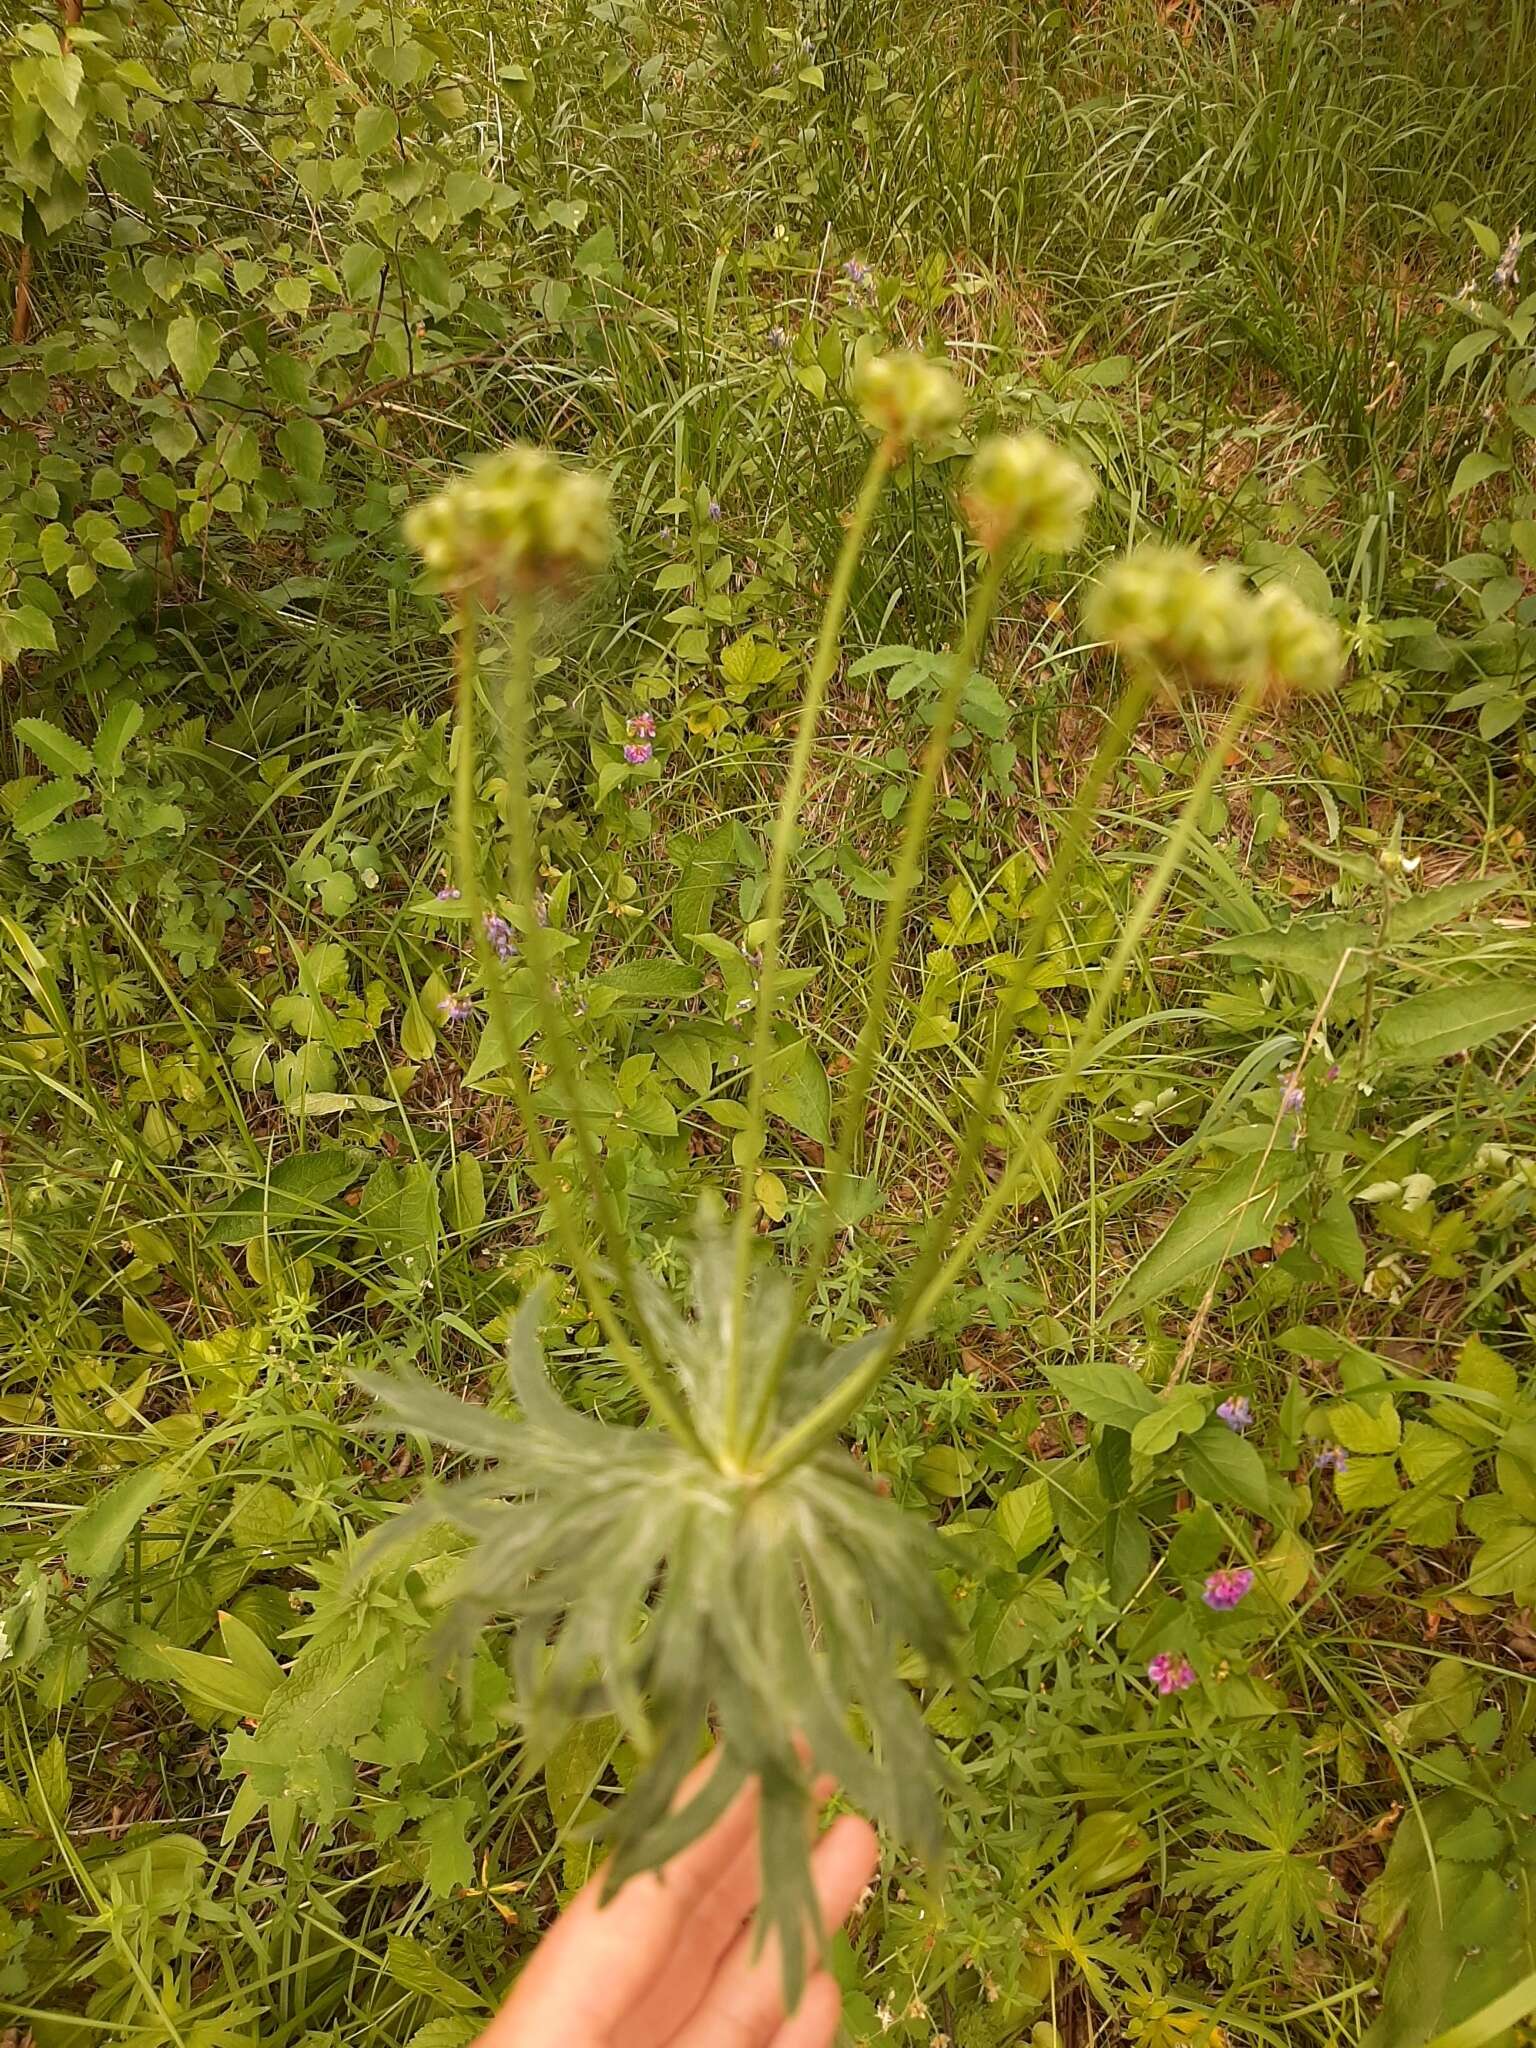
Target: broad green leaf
point(1232, 1214)
point(450, 1860)
point(1224, 1468)
point(798, 1092)
point(193, 342)
point(576, 1764)
point(1024, 1518)
point(54, 747)
point(1110, 1395)
point(1472, 470)
point(656, 981)
point(95, 1541)
point(301, 443)
point(1455, 1020)
point(297, 1190)
point(216, 1684)
point(1334, 1237)
point(1180, 1412)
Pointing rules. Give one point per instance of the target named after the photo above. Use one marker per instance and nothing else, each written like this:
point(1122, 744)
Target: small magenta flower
point(1332, 1458)
point(448, 893)
point(499, 933)
point(1236, 1412)
point(1170, 1671)
point(454, 1009)
point(1224, 1588)
point(637, 753)
point(642, 726)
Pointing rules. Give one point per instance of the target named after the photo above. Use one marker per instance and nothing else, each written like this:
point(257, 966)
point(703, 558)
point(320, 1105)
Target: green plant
point(755, 1580)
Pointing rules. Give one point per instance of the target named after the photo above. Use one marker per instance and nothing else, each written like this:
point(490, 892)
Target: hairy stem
point(845, 1400)
point(909, 861)
point(1113, 746)
point(503, 1021)
point(784, 831)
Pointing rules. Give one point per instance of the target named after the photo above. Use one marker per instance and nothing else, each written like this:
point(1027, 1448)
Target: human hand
point(668, 1962)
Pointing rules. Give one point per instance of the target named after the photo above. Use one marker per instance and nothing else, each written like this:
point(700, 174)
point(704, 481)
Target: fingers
point(597, 1963)
point(704, 1937)
point(743, 2007)
point(813, 2023)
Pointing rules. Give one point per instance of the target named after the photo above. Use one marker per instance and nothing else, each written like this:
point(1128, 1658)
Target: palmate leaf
point(645, 1580)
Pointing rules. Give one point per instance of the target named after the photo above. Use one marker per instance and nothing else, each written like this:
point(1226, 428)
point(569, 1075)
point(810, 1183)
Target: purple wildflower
point(1293, 1098)
point(1236, 1412)
point(448, 893)
point(1170, 1672)
point(637, 756)
point(857, 273)
point(777, 341)
point(714, 510)
point(499, 932)
point(454, 1009)
point(642, 726)
point(1332, 1458)
point(1226, 1587)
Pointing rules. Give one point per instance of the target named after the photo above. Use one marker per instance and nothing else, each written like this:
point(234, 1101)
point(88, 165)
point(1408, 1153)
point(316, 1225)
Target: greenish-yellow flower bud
point(519, 520)
point(1298, 648)
point(1169, 609)
point(1023, 487)
point(908, 397)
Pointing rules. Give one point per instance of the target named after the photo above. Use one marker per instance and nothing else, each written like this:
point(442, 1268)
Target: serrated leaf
point(450, 1860)
point(1367, 1483)
point(42, 805)
point(113, 736)
point(75, 839)
point(95, 1540)
point(54, 747)
point(411, 1965)
point(1455, 1020)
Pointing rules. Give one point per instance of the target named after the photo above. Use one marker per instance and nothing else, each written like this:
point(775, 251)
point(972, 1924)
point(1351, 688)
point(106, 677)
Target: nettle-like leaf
point(669, 1587)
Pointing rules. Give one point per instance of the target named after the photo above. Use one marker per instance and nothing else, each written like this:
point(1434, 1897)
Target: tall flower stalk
point(735, 1567)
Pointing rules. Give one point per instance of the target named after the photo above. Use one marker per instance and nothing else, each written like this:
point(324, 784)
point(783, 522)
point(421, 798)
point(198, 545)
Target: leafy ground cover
point(1230, 1432)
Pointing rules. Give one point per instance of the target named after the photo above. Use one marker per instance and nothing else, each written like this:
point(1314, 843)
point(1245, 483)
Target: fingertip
point(844, 1861)
point(813, 2023)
